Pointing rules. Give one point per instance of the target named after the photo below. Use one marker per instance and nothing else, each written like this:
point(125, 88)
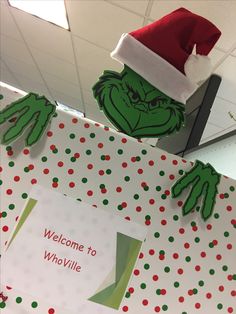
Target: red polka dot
point(181, 299)
point(77, 155)
point(70, 171)
point(155, 277)
point(31, 167)
point(118, 189)
point(141, 255)
point(125, 308)
point(229, 246)
point(46, 171)
point(100, 145)
point(175, 255)
point(86, 125)
point(74, 120)
point(163, 291)
point(60, 164)
point(230, 310)
point(161, 257)
point(233, 293)
point(218, 257)
point(181, 231)
point(33, 181)
point(151, 201)
point(51, 311)
point(163, 222)
point(190, 292)
point(162, 209)
point(131, 290)
point(145, 302)
point(16, 178)
point(175, 162)
point(203, 254)
point(147, 222)
point(124, 140)
point(136, 272)
point(151, 252)
point(107, 157)
point(229, 208)
point(124, 204)
point(9, 191)
point(82, 140)
point(124, 164)
point(197, 305)
point(138, 208)
point(157, 309)
point(5, 228)
point(221, 288)
point(101, 172)
point(151, 163)
point(90, 193)
point(140, 171)
point(172, 177)
point(233, 221)
point(209, 227)
point(71, 184)
point(49, 134)
point(52, 147)
point(54, 184)
point(1, 169)
point(90, 166)
point(26, 151)
point(197, 268)
point(61, 125)
point(10, 153)
point(163, 157)
point(208, 295)
point(186, 245)
point(180, 271)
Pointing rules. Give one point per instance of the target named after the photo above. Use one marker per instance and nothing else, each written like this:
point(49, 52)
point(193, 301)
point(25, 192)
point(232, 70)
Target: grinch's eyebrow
point(153, 94)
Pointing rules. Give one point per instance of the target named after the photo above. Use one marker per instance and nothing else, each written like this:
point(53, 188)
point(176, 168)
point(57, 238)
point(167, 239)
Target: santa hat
point(161, 52)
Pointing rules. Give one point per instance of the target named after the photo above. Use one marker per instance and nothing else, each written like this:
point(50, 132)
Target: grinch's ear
point(106, 81)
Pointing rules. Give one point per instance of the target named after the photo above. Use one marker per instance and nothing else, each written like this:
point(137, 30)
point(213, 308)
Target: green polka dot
point(224, 267)
point(226, 234)
point(163, 196)
point(167, 269)
point(34, 304)
point(2, 305)
point(234, 276)
point(72, 135)
point(216, 216)
point(84, 180)
point(211, 245)
point(184, 313)
point(193, 223)
point(156, 234)
point(176, 217)
point(147, 217)
point(8, 148)
point(73, 159)
point(219, 306)
point(162, 173)
point(195, 291)
point(127, 295)
point(111, 138)
point(120, 151)
point(103, 157)
point(197, 239)
point(143, 286)
point(24, 195)
point(11, 206)
point(26, 169)
point(102, 186)
point(44, 159)
point(144, 152)
point(136, 196)
point(1, 96)
point(108, 171)
point(4, 214)
point(127, 178)
point(146, 188)
point(0, 182)
point(158, 291)
point(226, 195)
point(176, 284)
point(92, 135)
point(161, 252)
point(18, 300)
point(146, 266)
point(158, 188)
point(211, 271)
point(11, 164)
point(232, 188)
point(68, 151)
point(119, 207)
point(181, 172)
point(88, 152)
point(188, 259)
point(164, 307)
point(138, 158)
point(105, 202)
point(201, 283)
point(171, 239)
point(55, 179)
point(55, 151)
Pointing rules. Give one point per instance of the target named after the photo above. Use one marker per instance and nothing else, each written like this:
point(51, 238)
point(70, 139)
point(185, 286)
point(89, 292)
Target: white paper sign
point(71, 254)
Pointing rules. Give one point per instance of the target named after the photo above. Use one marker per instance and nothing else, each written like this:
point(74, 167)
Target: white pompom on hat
point(161, 52)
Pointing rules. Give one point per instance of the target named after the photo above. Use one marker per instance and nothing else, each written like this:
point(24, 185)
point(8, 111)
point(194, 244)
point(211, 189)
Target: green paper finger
point(210, 199)
point(193, 197)
point(40, 126)
point(13, 109)
point(18, 128)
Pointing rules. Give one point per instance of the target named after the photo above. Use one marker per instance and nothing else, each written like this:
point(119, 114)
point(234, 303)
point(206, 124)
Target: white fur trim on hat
point(156, 70)
point(197, 68)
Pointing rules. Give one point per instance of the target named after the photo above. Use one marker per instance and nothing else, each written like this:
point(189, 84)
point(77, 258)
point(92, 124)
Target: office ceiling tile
point(53, 65)
point(210, 130)
point(219, 115)
point(7, 24)
point(221, 13)
point(11, 48)
point(58, 84)
point(101, 22)
point(7, 77)
point(23, 68)
point(227, 70)
point(44, 35)
point(132, 5)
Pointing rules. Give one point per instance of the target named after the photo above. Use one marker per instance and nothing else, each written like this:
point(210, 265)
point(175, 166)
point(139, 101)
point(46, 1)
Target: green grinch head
point(136, 107)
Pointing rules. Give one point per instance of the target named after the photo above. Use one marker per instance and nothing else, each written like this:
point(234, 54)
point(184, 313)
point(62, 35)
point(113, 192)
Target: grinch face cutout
point(136, 107)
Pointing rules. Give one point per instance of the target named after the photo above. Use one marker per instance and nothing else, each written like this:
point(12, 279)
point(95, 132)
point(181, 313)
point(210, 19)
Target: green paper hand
point(204, 180)
point(34, 110)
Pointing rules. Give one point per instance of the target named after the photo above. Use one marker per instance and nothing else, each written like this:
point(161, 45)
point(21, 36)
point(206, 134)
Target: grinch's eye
point(134, 96)
point(156, 102)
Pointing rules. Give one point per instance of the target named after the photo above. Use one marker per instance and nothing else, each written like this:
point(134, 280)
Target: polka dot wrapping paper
point(185, 266)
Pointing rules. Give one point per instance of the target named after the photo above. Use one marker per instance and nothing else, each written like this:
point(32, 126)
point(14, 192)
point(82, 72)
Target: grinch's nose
point(142, 106)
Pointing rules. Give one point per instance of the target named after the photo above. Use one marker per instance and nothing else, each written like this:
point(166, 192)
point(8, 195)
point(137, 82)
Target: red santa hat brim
point(156, 70)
